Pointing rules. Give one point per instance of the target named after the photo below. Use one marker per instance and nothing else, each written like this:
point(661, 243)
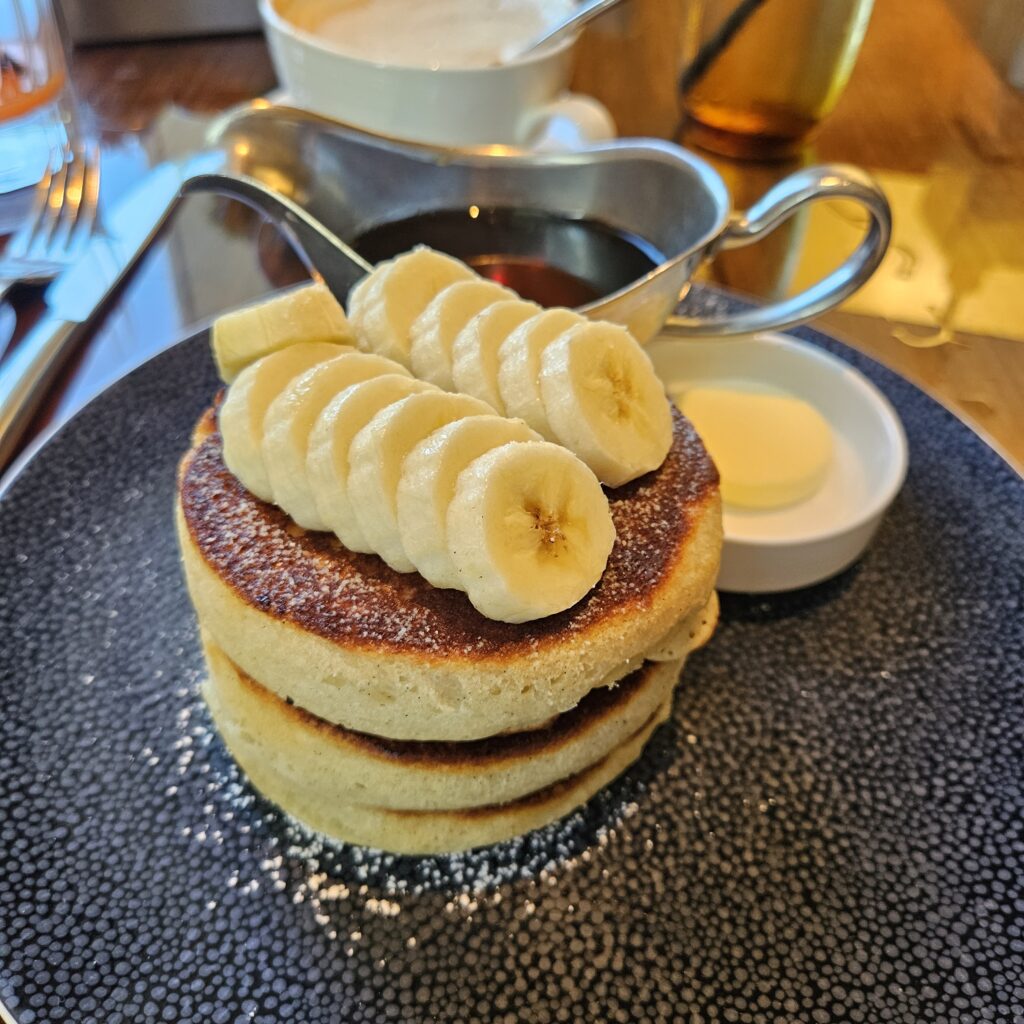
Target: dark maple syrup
point(549, 258)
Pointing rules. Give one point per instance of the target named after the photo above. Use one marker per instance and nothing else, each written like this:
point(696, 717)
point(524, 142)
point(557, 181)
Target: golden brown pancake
point(689, 635)
point(444, 831)
point(343, 767)
point(385, 653)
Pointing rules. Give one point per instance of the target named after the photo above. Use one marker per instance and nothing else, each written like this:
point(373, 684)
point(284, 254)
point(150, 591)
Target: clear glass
point(33, 75)
point(761, 74)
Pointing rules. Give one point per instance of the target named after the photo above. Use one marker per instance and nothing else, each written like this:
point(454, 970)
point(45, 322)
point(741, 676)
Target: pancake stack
point(383, 711)
point(446, 584)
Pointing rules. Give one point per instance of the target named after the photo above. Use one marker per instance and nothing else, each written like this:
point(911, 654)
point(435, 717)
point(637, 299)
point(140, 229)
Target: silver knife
point(81, 290)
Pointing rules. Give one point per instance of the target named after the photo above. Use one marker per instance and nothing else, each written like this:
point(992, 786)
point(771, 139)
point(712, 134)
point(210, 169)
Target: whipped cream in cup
point(430, 72)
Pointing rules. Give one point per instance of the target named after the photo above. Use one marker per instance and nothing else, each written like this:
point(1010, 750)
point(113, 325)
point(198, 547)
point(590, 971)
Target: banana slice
point(529, 530)
point(427, 484)
point(376, 457)
point(383, 306)
point(604, 401)
point(362, 298)
point(306, 314)
point(290, 418)
point(519, 365)
point(240, 416)
point(327, 464)
point(475, 349)
point(433, 332)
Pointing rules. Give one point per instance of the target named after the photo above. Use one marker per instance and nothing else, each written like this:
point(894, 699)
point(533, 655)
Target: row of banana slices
point(583, 384)
point(431, 481)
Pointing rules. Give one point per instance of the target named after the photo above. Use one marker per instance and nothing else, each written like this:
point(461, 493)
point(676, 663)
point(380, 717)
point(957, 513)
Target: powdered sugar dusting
point(371, 905)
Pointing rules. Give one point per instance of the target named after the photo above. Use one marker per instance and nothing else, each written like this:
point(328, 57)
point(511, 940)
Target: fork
point(62, 219)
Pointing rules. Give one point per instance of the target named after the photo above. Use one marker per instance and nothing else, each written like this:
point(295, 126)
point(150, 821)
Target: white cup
point(525, 103)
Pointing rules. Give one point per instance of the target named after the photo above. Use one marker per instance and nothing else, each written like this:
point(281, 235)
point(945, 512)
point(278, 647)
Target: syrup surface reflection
point(545, 257)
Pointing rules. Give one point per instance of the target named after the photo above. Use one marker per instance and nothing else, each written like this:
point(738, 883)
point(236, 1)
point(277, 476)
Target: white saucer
point(783, 549)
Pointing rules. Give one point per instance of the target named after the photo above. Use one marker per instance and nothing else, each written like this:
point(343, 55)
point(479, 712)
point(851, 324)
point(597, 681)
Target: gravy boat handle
point(831, 181)
point(326, 256)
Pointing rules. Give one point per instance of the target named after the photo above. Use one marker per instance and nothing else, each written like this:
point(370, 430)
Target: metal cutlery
point(61, 222)
point(82, 289)
point(559, 30)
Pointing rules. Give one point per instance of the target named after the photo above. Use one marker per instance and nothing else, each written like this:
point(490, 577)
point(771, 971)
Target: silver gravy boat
point(325, 183)
point(351, 181)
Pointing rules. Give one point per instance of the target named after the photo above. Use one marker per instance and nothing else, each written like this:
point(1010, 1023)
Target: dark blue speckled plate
point(830, 829)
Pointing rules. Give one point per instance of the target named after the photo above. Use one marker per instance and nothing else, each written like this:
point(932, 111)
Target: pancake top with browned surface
point(311, 581)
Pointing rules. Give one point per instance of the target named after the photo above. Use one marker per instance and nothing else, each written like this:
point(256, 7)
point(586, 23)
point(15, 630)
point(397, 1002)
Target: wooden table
point(924, 110)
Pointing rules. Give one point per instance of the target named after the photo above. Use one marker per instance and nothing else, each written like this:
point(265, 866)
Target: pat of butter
point(771, 449)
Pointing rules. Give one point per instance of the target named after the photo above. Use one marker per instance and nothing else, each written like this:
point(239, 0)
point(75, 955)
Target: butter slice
point(771, 449)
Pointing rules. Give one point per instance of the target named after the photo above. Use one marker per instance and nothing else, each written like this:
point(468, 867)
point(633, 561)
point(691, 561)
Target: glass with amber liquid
point(761, 74)
point(32, 80)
